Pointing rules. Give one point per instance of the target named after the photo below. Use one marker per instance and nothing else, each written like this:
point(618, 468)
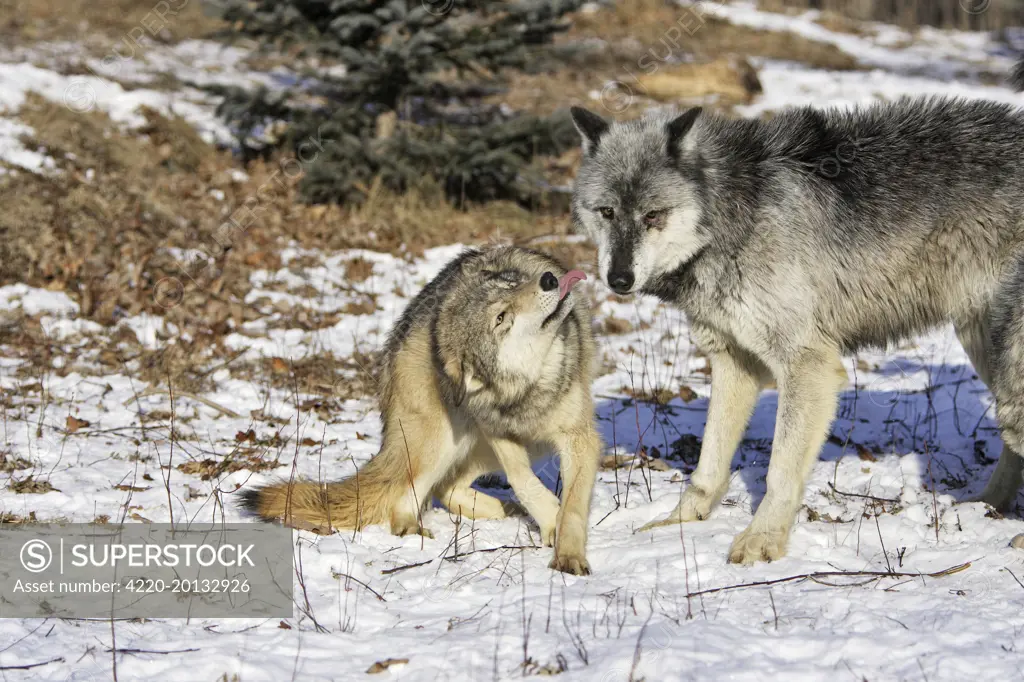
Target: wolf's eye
point(499, 319)
point(653, 218)
point(607, 212)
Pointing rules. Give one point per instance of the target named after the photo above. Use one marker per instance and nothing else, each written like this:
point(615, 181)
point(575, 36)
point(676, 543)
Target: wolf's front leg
point(579, 451)
point(534, 495)
point(808, 392)
point(735, 383)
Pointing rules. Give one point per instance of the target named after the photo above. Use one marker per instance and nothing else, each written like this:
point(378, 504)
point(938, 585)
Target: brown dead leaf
point(687, 394)
point(358, 269)
point(864, 453)
point(283, 626)
point(249, 460)
point(364, 306)
point(9, 462)
point(381, 666)
point(659, 396)
point(616, 325)
point(309, 442)
point(73, 424)
point(130, 488)
point(31, 486)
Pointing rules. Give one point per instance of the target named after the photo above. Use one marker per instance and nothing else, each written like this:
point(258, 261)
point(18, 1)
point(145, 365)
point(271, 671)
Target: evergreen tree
point(407, 103)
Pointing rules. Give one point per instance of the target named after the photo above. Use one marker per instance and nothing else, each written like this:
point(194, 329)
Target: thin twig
point(227, 362)
point(398, 569)
point(357, 580)
point(833, 574)
point(837, 491)
point(488, 550)
point(198, 398)
point(170, 457)
point(150, 651)
point(1014, 576)
point(885, 554)
point(29, 666)
point(405, 567)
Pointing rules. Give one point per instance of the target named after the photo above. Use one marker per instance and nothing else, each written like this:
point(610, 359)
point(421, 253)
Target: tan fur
point(462, 396)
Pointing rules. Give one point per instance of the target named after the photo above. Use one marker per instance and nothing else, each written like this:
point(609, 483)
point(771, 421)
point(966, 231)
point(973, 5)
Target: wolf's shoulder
point(427, 302)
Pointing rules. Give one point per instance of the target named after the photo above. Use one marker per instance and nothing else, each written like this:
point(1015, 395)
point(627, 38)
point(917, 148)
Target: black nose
point(548, 282)
point(620, 282)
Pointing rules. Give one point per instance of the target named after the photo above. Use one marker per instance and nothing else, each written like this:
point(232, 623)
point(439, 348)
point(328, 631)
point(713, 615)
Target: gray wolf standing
point(791, 242)
point(488, 368)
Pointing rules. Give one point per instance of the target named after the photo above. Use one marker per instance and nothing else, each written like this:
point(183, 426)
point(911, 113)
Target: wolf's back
point(361, 500)
point(1017, 76)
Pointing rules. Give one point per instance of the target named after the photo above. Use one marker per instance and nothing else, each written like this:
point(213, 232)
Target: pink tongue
point(567, 281)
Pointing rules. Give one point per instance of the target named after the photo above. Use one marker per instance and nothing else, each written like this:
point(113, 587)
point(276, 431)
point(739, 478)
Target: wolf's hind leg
point(460, 498)
point(1002, 487)
point(429, 451)
point(1003, 375)
point(736, 380)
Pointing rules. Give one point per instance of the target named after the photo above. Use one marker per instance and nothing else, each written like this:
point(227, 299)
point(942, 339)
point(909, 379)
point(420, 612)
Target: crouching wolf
point(791, 242)
point(488, 368)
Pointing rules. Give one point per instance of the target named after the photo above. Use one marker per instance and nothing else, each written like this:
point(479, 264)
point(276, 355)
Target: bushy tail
point(1017, 77)
point(362, 500)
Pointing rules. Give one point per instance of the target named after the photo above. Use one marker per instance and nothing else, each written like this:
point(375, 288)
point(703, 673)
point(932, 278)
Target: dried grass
point(632, 27)
point(111, 228)
point(119, 23)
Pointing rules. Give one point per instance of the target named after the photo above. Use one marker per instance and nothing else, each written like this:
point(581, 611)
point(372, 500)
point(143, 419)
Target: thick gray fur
point(791, 242)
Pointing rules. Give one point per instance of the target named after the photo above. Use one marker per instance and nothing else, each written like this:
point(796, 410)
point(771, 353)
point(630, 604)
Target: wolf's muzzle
point(621, 281)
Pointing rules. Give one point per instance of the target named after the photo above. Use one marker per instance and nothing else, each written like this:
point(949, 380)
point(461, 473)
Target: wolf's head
point(637, 195)
point(498, 325)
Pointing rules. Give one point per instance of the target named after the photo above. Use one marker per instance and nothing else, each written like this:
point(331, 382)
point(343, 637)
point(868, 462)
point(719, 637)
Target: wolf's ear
point(590, 126)
point(678, 128)
point(461, 374)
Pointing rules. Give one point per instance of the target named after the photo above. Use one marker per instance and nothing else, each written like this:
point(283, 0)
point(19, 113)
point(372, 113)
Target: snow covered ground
point(915, 437)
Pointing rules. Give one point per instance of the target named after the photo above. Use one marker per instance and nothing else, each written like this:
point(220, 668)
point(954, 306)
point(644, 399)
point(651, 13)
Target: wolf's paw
point(694, 506)
point(411, 529)
point(751, 546)
point(999, 499)
point(547, 535)
point(571, 564)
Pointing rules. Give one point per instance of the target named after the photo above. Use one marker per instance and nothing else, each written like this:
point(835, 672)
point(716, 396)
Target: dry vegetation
point(634, 27)
point(28, 21)
point(974, 15)
point(636, 37)
point(111, 227)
